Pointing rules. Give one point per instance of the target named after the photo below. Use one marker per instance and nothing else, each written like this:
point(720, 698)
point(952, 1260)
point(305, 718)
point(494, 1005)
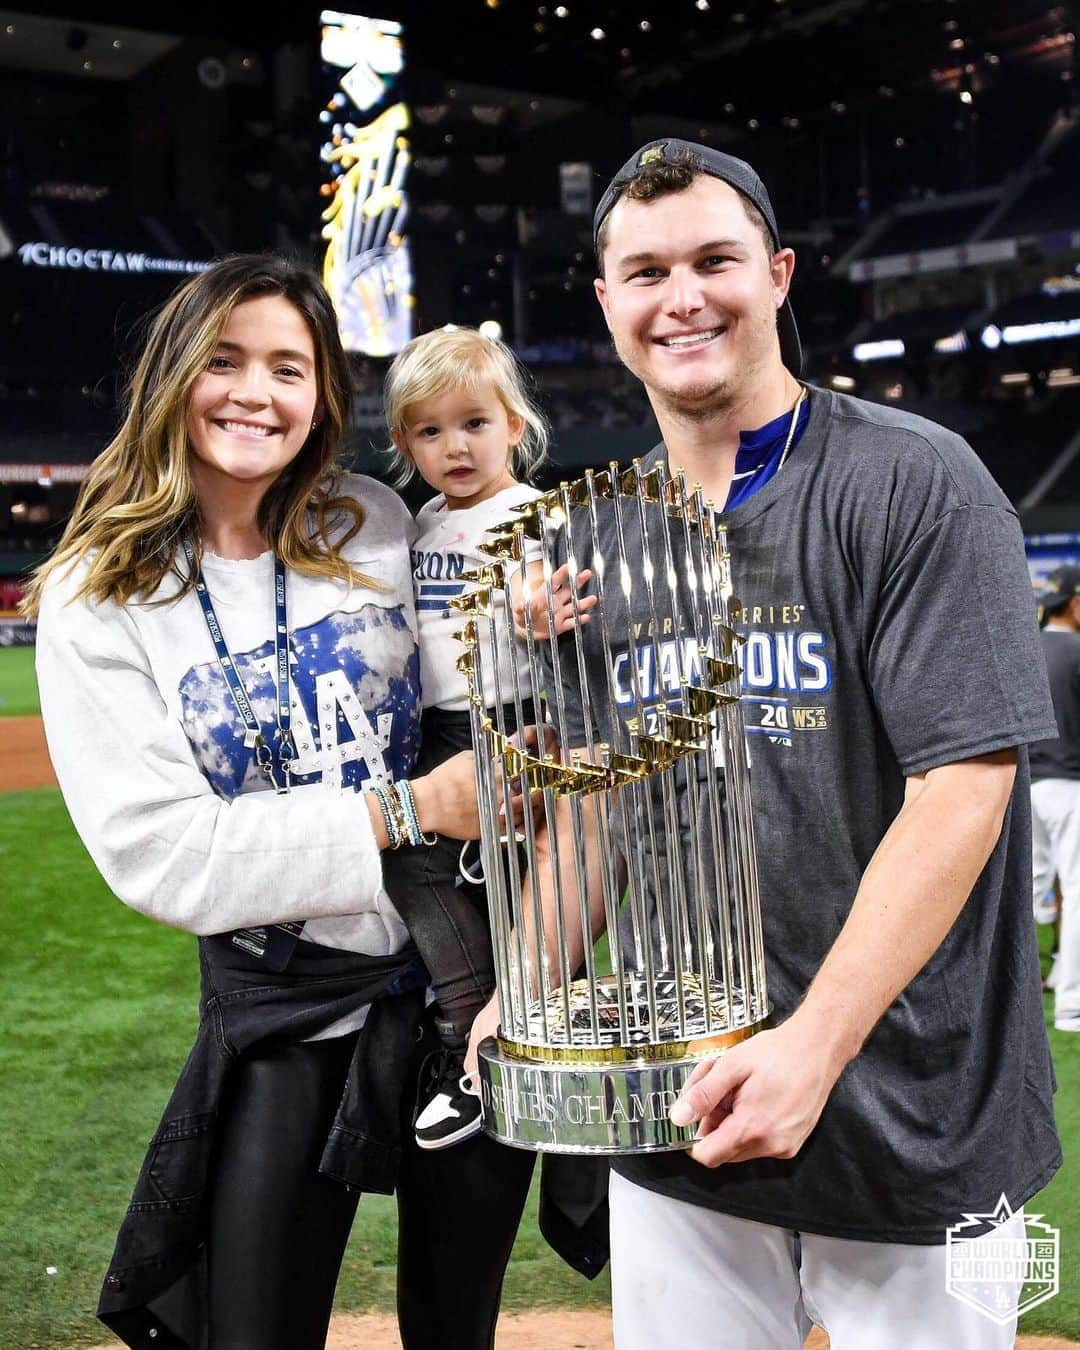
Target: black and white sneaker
point(448, 1110)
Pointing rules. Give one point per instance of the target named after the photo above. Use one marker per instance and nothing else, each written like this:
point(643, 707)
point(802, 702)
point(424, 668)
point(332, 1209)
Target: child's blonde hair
point(462, 358)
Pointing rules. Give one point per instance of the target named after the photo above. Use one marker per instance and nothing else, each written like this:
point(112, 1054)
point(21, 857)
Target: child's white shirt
point(448, 545)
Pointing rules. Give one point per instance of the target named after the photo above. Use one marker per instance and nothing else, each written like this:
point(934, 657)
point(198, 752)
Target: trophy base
point(582, 1107)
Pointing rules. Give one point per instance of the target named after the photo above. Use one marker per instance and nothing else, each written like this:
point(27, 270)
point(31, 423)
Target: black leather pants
point(277, 1230)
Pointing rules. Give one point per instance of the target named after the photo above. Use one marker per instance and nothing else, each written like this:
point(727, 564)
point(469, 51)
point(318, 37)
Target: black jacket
point(153, 1296)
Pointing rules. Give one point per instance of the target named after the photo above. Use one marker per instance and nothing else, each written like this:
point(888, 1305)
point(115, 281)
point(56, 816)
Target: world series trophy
point(642, 824)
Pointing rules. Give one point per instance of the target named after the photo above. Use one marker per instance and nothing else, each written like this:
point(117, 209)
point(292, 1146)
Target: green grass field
point(99, 1011)
point(18, 689)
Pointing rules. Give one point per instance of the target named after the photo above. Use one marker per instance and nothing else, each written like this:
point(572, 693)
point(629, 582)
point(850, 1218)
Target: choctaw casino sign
point(38, 253)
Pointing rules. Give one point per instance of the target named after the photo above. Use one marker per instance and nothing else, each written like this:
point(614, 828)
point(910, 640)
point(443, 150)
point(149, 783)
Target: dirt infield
point(24, 761)
point(545, 1329)
point(549, 1329)
point(555, 1330)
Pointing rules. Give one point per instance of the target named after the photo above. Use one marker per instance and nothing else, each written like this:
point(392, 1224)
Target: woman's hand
point(446, 798)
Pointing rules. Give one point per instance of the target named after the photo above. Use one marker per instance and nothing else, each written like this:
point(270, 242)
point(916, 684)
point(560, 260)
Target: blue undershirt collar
point(760, 452)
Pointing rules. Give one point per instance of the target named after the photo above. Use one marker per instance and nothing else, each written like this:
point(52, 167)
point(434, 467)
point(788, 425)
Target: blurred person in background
point(1055, 790)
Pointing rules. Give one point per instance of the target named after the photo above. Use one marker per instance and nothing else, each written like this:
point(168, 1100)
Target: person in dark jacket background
point(1055, 787)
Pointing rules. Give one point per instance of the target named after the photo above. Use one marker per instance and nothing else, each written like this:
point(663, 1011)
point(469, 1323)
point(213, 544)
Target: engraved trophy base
point(599, 1099)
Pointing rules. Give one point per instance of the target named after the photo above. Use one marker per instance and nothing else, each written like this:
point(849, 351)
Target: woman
point(229, 681)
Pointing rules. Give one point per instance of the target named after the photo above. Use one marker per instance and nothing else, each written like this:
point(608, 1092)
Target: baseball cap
point(737, 174)
point(1059, 588)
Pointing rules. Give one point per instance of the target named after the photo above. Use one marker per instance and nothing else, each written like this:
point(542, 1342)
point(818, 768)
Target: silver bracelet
point(404, 791)
point(391, 813)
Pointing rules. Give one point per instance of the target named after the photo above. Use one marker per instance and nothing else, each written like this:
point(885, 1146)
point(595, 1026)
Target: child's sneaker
point(449, 1112)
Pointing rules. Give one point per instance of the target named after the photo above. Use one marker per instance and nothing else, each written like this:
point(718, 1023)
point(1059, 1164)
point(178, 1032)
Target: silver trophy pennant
point(643, 824)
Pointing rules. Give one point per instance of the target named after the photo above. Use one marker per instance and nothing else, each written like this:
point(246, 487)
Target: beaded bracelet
point(392, 815)
point(403, 789)
point(401, 818)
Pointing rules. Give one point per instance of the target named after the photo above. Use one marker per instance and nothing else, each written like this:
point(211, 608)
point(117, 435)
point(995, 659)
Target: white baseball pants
point(1055, 847)
point(687, 1278)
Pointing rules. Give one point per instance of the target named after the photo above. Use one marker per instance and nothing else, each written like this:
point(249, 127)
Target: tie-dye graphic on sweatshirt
point(355, 704)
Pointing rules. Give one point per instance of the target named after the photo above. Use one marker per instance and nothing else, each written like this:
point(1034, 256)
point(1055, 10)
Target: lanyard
point(253, 737)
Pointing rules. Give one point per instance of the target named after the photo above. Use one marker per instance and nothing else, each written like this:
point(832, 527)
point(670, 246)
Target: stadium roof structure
point(767, 60)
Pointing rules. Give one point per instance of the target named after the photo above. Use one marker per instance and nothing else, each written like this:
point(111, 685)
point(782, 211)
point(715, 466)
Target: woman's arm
point(165, 843)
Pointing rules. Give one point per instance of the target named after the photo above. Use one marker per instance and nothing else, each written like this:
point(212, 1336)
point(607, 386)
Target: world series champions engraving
point(642, 826)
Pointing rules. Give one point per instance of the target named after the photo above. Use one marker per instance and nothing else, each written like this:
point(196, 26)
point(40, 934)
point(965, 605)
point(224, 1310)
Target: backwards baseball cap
point(1059, 588)
point(737, 174)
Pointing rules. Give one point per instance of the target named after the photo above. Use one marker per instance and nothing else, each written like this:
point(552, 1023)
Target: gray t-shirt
point(887, 606)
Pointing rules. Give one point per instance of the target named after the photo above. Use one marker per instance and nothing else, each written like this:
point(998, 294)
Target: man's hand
point(486, 1023)
point(531, 601)
point(761, 1099)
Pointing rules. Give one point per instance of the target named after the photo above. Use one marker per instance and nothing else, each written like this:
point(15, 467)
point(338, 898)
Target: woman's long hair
point(138, 500)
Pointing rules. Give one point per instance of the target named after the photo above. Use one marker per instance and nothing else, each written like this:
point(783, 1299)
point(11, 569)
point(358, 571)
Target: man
point(1055, 787)
point(907, 1079)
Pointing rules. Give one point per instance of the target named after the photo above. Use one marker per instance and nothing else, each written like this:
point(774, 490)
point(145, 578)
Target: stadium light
point(878, 351)
point(1040, 332)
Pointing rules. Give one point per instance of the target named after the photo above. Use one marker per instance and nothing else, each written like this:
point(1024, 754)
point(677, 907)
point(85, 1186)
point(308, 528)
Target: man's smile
point(682, 341)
